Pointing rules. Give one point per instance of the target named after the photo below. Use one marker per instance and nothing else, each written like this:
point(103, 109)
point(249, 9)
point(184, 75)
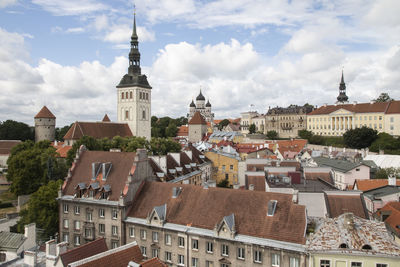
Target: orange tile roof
point(84, 251)
point(385, 107)
point(183, 131)
point(97, 130)
point(63, 151)
point(45, 113)
point(196, 206)
point(197, 119)
point(394, 217)
point(365, 185)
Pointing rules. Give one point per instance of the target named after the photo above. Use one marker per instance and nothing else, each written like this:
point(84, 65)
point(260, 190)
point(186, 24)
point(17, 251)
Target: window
point(209, 264)
point(195, 244)
point(130, 95)
point(126, 114)
point(381, 265)
point(142, 234)
point(65, 207)
point(154, 253)
point(114, 244)
point(223, 168)
point(126, 95)
point(114, 230)
point(122, 95)
point(88, 232)
point(356, 264)
point(294, 262)
point(101, 213)
point(224, 265)
point(132, 231)
point(210, 247)
point(275, 260)
point(140, 95)
point(77, 240)
point(181, 242)
point(168, 256)
point(226, 176)
point(224, 250)
point(102, 228)
point(326, 263)
point(240, 253)
point(181, 260)
point(257, 256)
point(65, 237)
point(231, 167)
point(155, 236)
point(89, 216)
point(65, 223)
point(144, 114)
point(380, 118)
point(77, 209)
point(391, 120)
point(167, 239)
point(77, 225)
point(115, 214)
point(195, 262)
point(144, 251)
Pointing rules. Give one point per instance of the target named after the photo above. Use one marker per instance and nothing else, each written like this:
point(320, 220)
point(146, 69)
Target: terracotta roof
point(325, 176)
point(365, 185)
point(122, 165)
point(196, 206)
point(393, 209)
point(87, 250)
point(197, 119)
point(118, 257)
point(338, 204)
point(355, 233)
point(183, 131)
point(257, 181)
point(45, 113)
point(97, 130)
point(384, 107)
point(7, 145)
point(63, 151)
point(106, 118)
point(154, 262)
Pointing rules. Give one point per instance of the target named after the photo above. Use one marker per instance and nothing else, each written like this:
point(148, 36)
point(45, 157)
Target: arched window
point(126, 114)
point(343, 245)
point(366, 247)
point(144, 114)
point(131, 95)
point(122, 95)
point(140, 95)
point(126, 95)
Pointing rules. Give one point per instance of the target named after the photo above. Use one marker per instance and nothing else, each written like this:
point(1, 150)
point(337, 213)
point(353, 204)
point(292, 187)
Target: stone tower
point(197, 128)
point(134, 94)
point(45, 125)
point(342, 98)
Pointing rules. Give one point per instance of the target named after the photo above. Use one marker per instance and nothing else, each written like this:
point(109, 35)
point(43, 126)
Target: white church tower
point(134, 94)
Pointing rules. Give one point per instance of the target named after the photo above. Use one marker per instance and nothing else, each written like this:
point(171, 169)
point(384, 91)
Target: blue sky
point(69, 55)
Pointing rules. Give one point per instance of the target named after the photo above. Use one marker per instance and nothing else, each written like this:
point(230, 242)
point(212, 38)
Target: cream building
point(246, 119)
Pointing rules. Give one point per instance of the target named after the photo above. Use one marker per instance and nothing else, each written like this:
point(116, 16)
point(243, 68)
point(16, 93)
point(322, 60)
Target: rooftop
point(45, 113)
point(337, 164)
point(84, 251)
point(392, 107)
point(7, 145)
point(97, 130)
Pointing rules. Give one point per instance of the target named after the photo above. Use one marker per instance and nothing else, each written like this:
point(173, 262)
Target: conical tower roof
point(45, 113)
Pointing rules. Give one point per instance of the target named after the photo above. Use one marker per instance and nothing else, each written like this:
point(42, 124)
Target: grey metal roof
point(161, 211)
point(94, 185)
point(336, 164)
point(230, 221)
point(377, 193)
point(11, 240)
point(81, 186)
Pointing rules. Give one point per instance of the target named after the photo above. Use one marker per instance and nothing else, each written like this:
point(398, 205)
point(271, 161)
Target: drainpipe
point(187, 248)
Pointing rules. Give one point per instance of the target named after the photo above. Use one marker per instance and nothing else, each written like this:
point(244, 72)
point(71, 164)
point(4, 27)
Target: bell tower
point(134, 93)
point(342, 97)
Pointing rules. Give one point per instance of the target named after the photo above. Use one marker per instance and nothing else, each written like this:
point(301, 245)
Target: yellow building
point(224, 166)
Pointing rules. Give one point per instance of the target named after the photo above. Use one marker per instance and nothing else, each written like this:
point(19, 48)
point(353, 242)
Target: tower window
point(144, 114)
point(130, 95)
point(126, 95)
point(126, 114)
point(147, 96)
point(141, 95)
point(122, 95)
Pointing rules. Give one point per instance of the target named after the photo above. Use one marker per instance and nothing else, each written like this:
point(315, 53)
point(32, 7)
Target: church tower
point(134, 93)
point(342, 98)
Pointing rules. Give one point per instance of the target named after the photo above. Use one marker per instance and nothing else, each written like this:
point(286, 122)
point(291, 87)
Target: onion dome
point(200, 97)
point(208, 104)
point(192, 105)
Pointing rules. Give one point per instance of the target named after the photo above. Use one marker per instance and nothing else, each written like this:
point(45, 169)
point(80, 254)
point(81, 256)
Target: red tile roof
point(197, 119)
point(106, 118)
point(122, 165)
point(87, 250)
point(183, 131)
point(385, 107)
point(154, 262)
point(365, 185)
point(45, 113)
point(393, 208)
point(325, 176)
point(196, 206)
point(338, 204)
point(63, 151)
point(118, 257)
point(257, 181)
point(7, 145)
point(97, 130)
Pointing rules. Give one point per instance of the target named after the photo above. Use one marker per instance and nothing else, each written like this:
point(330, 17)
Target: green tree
point(42, 210)
point(223, 183)
point(252, 128)
point(383, 97)
point(383, 173)
point(135, 143)
point(181, 121)
point(14, 130)
point(90, 143)
point(385, 142)
point(32, 165)
point(161, 146)
point(60, 132)
point(171, 130)
point(272, 135)
point(360, 137)
point(304, 134)
point(223, 123)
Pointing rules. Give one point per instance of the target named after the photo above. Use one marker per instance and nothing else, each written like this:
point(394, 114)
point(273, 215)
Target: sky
point(243, 54)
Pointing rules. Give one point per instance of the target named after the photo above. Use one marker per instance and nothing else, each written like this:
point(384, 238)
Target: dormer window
point(366, 246)
point(343, 245)
point(91, 193)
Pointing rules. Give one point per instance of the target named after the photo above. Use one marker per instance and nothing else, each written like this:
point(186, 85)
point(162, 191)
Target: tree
point(272, 135)
point(252, 128)
point(360, 137)
point(383, 97)
point(223, 123)
point(60, 132)
point(385, 142)
point(90, 143)
point(32, 165)
point(161, 146)
point(171, 130)
point(136, 142)
point(304, 134)
point(42, 210)
point(223, 183)
point(13, 130)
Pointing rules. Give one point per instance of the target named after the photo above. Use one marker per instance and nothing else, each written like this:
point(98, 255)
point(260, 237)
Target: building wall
point(134, 108)
point(45, 129)
point(286, 125)
point(246, 120)
point(200, 253)
point(392, 124)
point(224, 166)
point(338, 260)
point(342, 180)
point(196, 132)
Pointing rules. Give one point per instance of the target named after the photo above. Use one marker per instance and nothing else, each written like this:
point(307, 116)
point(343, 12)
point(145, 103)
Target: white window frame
point(168, 239)
point(195, 262)
point(195, 244)
point(258, 256)
point(131, 231)
point(208, 246)
point(77, 240)
point(351, 263)
point(114, 244)
point(77, 225)
point(65, 208)
point(66, 237)
point(168, 256)
point(114, 230)
point(89, 216)
point(144, 250)
point(181, 242)
point(115, 214)
point(102, 228)
point(181, 260)
point(241, 254)
point(328, 264)
point(102, 213)
point(155, 252)
point(66, 223)
point(224, 250)
point(294, 262)
point(155, 236)
point(275, 260)
point(77, 210)
point(143, 234)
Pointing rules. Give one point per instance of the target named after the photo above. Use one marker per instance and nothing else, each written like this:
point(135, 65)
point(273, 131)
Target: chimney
point(30, 258)
point(61, 248)
point(30, 234)
point(142, 153)
point(325, 104)
point(392, 180)
point(55, 142)
point(251, 187)
point(51, 248)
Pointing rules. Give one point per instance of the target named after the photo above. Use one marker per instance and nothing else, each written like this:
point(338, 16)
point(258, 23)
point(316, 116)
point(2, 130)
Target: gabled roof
point(230, 222)
point(154, 262)
point(87, 250)
point(106, 118)
point(45, 113)
point(121, 167)
point(97, 130)
point(339, 202)
point(195, 206)
point(337, 164)
point(197, 119)
point(366, 185)
point(392, 107)
point(7, 145)
point(393, 209)
point(10, 240)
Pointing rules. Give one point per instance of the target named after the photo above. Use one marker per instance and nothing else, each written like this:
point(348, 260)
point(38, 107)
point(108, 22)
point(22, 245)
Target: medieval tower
point(45, 125)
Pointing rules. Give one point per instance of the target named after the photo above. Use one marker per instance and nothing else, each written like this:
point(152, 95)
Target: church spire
point(342, 98)
point(134, 54)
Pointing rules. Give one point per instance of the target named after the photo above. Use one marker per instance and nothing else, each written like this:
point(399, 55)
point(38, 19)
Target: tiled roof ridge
point(197, 119)
point(97, 240)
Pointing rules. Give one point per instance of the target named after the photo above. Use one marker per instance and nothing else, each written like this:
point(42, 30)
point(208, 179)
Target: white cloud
point(6, 3)
point(70, 7)
point(75, 30)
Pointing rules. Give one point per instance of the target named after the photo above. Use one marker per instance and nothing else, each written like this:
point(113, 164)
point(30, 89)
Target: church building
point(202, 107)
point(134, 94)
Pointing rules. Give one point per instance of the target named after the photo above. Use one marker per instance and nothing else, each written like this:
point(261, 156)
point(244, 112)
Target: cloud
point(75, 30)
point(70, 7)
point(122, 34)
point(6, 3)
